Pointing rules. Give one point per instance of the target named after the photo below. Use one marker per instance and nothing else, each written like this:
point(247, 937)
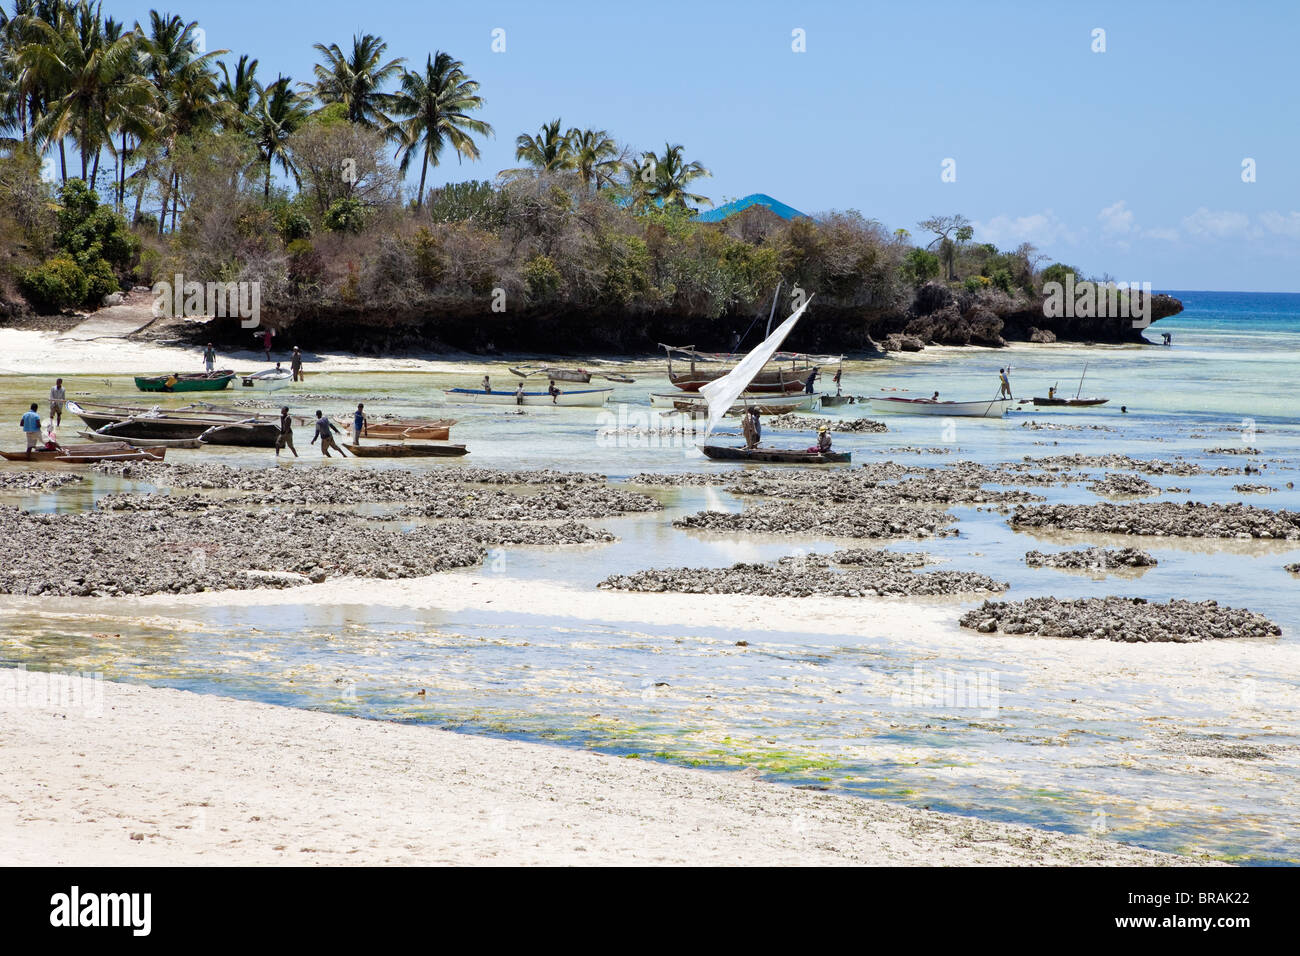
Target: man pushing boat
point(325, 430)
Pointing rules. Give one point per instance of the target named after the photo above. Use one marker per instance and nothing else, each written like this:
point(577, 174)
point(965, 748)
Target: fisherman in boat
point(519, 394)
point(31, 426)
point(934, 397)
point(324, 430)
point(1051, 393)
point(808, 385)
point(57, 397)
point(1005, 379)
point(487, 385)
point(295, 364)
point(359, 422)
point(554, 393)
point(747, 429)
point(823, 441)
point(209, 358)
point(285, 439)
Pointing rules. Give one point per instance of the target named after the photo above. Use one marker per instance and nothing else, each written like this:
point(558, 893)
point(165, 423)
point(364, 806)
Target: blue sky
point(1127, 162)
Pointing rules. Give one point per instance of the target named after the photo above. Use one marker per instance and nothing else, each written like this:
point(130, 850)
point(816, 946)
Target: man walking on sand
point(31, 425)
point(57, 397)
point(286, 433)
point(358, 422)
point(324, 430)
point(295, 365)
point(209, 358)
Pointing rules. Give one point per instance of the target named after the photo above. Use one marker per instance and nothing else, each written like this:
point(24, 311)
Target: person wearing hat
point(823, 440)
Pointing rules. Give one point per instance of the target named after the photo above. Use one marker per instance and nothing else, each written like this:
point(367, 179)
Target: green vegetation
point(301, 186)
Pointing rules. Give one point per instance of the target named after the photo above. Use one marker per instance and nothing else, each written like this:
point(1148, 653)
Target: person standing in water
point(519, 394)
point(325, 431)
point(57, 397)
point(295, 365)
point(31, 426)
point(808, 385)
point(358, 422)
point(554, 391)
point(286, 433)
point(487, 384)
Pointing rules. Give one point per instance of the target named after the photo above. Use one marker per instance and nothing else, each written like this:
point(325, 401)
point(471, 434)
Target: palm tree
point(93, 76)
point(595, 156)
point(241, 91)
point(547, 152)
point(436, 105)
point(356, 80)
point(278, 112)
point(669, 177)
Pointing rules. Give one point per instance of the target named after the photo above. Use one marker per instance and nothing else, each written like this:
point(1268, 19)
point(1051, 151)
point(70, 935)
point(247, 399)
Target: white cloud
point(1211, 224)
point(1040, 228)
point(1281, 224)
point(1117, 219)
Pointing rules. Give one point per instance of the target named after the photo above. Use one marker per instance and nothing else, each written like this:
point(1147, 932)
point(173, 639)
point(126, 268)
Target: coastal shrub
point(429, 265)
point(345, 215)
point(976, 283)
point(292, 224)
point(1057, 272)
point(627, 269)
point(101, 281)
point(90, 232)
point(920, 266)
point(474, 201)
point(57, 283)
point(1001, 279)
point(542, 277)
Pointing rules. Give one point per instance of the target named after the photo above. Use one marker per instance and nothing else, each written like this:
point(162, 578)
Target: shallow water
point(1085, 738)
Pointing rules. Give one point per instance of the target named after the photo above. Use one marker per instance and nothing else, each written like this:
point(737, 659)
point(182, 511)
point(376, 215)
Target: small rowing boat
point(993, 408)
point(767, 404)
point(1069, 402)
point(585, 397)
point(789, 456)
point(561, 374)
point(148, 442)
point(271, 380)
point(88, 454)
point(250, 434)
point(404, 428)
point(407, 451)
point(185, 381)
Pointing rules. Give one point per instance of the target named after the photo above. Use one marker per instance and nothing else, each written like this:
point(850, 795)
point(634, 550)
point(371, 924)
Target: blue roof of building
point(739, 205)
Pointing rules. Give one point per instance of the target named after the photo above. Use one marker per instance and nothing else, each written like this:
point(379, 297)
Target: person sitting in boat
point(823, 441)
point(487, 384)
point(934, 397)
point(1051, 393)
point(555, 393)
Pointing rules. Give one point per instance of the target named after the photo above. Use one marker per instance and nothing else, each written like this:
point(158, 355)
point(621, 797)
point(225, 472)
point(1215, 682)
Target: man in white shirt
point(57, 397)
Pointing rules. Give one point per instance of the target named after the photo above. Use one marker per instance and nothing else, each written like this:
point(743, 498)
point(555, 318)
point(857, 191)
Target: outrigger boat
point(587, 397)
point(1052, 401)
point(185, 381)
point(767, 404)
point(213, 428)
point(994, 408)
point(407, 451)
point(148, 442)
point(250, 434)
point(721, 394)
point(788, 374)
point(88, 454)
point(561, 374)
point(404, 428)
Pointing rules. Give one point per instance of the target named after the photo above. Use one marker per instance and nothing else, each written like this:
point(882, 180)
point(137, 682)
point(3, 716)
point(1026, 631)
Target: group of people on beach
point(295, 358)
point(324, 430)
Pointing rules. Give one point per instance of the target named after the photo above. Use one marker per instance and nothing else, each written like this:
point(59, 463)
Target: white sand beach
point(164, 777)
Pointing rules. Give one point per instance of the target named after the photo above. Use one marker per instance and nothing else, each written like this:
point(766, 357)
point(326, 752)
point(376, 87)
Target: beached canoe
point(148, 442)
point(587, 397)
point(411, 429)
point(785, 456)
point(404, 450)
point(185, 381)
point(251, 434)
point(135, 454)
point(83, 450)
point(993, 408)
point(1069, 402)
point(271, 380)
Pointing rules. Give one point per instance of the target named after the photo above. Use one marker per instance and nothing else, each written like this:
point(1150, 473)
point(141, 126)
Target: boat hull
point(767, 404)
point(148, 442)
point(784, 456)
point(158, 383)
point(264, 382)
point(995, 408)
point(120, 427)
point(1069, 402)
point(783, 382)
point(251, 435)
point(583, 397)
point(407, 451)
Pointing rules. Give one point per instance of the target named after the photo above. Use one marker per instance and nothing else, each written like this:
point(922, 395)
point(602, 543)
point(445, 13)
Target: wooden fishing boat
point(774, 404)
point(787, 456)
point(404, 428)
point(1069, 402)
point(88, 453)
point(271, 380)
point(567, 374)
point(131, 422)
point(185, 381)
point(250, 434)
point(993, 408)
point(786, 372)
point(148, 442)
point(586, 397)
point(407, 451)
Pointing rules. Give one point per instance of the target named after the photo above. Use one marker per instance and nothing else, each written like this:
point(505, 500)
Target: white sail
point(722, 393)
